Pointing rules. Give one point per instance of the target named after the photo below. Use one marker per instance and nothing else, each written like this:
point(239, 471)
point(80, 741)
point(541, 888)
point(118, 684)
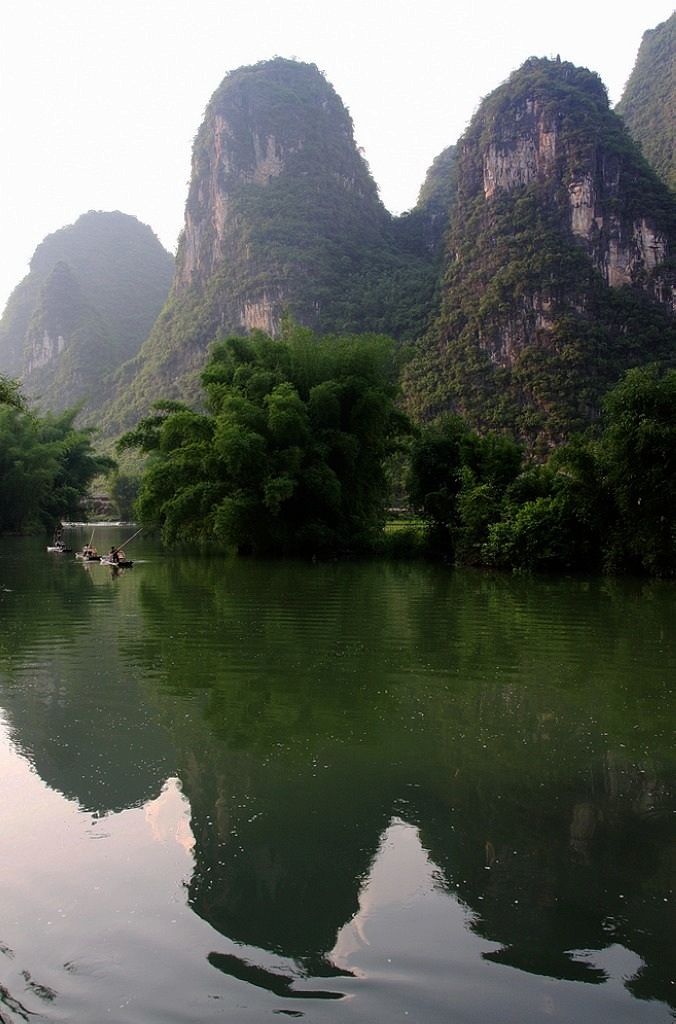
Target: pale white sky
point(100, 99)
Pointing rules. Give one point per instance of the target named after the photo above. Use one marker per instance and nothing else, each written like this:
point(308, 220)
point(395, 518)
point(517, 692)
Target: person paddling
point(116, 556)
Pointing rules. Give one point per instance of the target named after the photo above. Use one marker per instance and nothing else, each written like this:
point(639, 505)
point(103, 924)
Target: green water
point(349, 793)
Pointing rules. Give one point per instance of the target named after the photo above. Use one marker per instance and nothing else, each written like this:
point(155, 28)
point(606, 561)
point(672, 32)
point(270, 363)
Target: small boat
point(117, 559)
point(59, 547)
point(88, 555)
point(116, 556)
point(120, 563)
point(89, 552)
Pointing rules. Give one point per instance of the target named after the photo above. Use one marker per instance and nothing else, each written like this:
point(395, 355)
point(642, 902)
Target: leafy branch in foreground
point(10, 393)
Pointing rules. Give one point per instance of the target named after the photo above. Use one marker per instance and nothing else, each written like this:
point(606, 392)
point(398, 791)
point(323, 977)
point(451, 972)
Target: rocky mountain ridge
point(535, 267)
point(648, 103)
point(558, 273)
point(622, 247)
point(282, 217)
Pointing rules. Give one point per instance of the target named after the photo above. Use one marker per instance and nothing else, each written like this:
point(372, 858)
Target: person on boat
point(113, 555)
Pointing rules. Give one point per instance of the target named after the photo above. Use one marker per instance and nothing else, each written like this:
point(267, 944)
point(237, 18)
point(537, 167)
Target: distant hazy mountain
point(558, 273)
point(91, 296)
point(648, 104)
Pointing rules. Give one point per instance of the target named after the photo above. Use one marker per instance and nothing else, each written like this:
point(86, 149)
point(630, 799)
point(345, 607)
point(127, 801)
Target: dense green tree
point(492, 464)
point(638, 463)
point(46, 466)
point(435, 478)
point(553, 516)
point(605, 500)
point(456, 483)
point(602, 502)
point(289, 456)
point(10, 393)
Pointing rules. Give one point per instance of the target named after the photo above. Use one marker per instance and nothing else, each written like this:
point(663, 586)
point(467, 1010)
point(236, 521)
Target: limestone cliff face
point(282, 216)
point(43, 351)
point(65, 342)
point(558, 266)
point(274, 156)
point(526, 155)
point(56, 318)
point(208, 215)
point(624, 244)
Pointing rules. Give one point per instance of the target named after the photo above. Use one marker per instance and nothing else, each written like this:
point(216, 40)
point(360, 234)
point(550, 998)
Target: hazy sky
point(100, 99)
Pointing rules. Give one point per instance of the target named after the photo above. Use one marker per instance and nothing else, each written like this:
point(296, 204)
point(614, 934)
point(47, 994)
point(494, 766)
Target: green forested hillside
point(531, 334)
point(529, 296)
point(648, 104)
point(555, 229)
point(282, 215)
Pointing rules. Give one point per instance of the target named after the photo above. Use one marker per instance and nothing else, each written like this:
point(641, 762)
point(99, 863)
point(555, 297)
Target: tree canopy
point(289, 456)
point(10, 393)
point(603, 502)
point(46, 464)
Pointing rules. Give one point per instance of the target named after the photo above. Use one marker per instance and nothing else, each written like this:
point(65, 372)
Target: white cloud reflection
point(402, 877)
point(169, 816)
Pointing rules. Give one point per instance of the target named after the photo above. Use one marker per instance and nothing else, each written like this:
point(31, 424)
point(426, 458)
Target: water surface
point(235, 789)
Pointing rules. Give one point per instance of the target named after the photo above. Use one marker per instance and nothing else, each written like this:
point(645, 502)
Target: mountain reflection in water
point(380, 783)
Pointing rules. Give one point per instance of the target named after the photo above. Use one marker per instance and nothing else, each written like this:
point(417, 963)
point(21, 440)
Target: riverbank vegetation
point(302, 449)
point(46, 464)
point(602, 502)
point(295, 451)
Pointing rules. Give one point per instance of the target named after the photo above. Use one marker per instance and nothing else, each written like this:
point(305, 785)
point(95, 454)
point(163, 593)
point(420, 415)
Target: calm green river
point(233, 790)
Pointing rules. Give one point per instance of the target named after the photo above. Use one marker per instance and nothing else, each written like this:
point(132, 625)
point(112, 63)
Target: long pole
point(125, 542)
